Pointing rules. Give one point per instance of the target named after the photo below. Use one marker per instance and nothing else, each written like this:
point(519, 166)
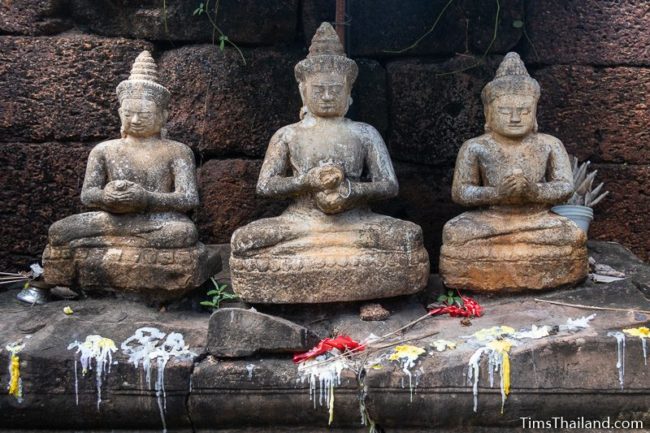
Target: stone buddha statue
point(513, 174)
point(327, 246)
point(138, 238)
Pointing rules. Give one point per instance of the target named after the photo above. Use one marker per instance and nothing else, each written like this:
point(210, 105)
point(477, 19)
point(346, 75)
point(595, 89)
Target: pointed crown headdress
point(511, 78)
point(143, 82)
point(326, 54)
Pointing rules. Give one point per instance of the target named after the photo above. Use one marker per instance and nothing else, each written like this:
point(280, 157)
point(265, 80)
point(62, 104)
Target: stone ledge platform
point(569, 374)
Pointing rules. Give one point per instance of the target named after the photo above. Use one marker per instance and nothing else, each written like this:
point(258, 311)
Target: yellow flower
point(406, 351)
point(67, 310)
point(493, 332)
point(641, 332)
point(501, 346)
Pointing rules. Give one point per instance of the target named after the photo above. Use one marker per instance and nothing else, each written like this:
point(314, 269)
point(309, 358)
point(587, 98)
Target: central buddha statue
point(138, 238)
point(514, 175)
point(327, 246)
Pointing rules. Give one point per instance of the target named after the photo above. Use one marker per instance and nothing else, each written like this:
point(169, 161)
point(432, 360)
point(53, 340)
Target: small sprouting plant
point(450, 299)
point(218, 295)
point(585, 194)
point(203, 9)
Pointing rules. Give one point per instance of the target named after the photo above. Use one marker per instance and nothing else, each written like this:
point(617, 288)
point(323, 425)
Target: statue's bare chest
point(498, 160)
point(151, 169)
point(310, 149)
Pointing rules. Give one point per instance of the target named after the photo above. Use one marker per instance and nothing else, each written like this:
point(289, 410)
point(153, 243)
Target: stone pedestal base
point(160, 274)
point(512, 268)
point(341, 276)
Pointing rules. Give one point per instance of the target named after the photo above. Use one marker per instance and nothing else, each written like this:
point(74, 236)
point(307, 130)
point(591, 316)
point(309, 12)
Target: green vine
point(203, 9)
point(516, 24)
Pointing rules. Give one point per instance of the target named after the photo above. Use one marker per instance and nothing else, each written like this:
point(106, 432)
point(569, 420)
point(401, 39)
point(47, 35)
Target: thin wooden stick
point(592, 307)
point(356, 351)
point(13, 281)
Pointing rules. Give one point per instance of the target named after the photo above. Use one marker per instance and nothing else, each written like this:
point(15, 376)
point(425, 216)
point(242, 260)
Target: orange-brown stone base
point(512, 268)
point(160, 274)
point(362, 275)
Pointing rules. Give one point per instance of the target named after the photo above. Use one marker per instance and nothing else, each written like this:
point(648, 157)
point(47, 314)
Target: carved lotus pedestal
point(158, 274)
point(337, 275)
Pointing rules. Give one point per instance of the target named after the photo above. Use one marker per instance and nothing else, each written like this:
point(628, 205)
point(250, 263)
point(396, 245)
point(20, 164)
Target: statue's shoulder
point(548, 139)
point(287, 133)
point(363, 130)
point(478, 144)
point(177, 147)
point(105, 146)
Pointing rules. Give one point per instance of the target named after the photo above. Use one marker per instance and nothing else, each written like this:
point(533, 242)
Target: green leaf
point(207, 303)
point(517, 24)
point(213, 292)
point(442, 298)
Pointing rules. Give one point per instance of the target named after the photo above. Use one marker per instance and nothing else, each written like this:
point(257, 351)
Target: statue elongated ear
point(165, 116)
point(301, 89)
point(488, 120)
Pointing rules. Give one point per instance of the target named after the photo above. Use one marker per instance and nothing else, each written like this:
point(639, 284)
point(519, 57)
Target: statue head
point(326, 76)
point(143, 101)
point(510, 100)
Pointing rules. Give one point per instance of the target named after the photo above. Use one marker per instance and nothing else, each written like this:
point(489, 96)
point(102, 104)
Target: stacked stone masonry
point(61, 60)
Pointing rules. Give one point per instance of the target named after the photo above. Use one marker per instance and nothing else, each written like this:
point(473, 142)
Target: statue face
point(141, 118)
point(326, 94)
point(512, 115)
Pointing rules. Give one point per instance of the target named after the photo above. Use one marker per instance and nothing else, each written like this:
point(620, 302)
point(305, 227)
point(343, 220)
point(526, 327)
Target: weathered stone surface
point(575, 372)
point(425, 199)
point(48, 370)
point(377, 27)
point(327, 246)
point(596, 32)
point(313, 13)
point(432, 114)
point(41, 184)
point(370, 96)
point(513, 175)
point(32, 17)
point(600, 114)
point(62, 88)
point(137, 238)
point(373, 312)
point(228, 199)
point(623, 215)
point(244, 22)
point(223, 107)
point(237, 333)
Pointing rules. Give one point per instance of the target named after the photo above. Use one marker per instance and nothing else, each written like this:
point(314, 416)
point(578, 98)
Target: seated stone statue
point(327, 246)
point(139, 239)
point(514, 174)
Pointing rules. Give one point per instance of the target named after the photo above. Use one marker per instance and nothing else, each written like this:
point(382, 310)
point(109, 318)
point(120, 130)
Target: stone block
point(378, 27)
point(32, 17)
point(425, 199)
point(594, 32)
point(236, 333)
point(370, 96)
point(62, 88)
point(601, 114)
point(435, 107)
point(221, 106)
point(244, 22)
point(228, 199)
point(313, 13)
point(41, 184)
point(622, 216)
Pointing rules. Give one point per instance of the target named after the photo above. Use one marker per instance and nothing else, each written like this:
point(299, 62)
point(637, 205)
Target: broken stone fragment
point(373, 312)
point(235, 333)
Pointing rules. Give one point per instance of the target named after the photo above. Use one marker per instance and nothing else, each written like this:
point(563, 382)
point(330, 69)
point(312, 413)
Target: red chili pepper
point(342, 343)
point(470, 308)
